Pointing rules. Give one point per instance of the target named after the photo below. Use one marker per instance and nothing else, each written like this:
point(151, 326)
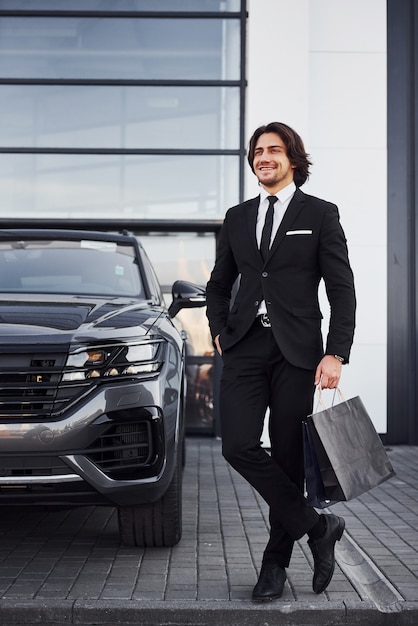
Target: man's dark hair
point(294, 147)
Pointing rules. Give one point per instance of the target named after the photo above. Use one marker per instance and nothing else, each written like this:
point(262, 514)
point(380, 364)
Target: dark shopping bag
point(344, 456)
point(321, 484)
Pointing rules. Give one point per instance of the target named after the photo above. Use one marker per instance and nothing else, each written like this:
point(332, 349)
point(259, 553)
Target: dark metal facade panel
point(402, 222)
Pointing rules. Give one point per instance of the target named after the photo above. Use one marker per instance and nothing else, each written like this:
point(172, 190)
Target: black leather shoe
point(323, 551)
point(270, 583)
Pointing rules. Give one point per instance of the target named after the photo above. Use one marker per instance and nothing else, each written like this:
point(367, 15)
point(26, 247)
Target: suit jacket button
point(256, 303)
point(264, 274)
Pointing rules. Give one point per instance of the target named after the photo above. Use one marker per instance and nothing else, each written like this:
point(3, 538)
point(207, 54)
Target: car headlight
point(114, 360)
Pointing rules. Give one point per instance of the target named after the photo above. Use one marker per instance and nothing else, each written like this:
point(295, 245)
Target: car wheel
point(157, 524)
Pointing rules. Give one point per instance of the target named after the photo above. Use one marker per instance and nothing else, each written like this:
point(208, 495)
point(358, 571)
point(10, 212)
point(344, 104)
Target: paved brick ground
point(384, 523)
point(69, 567)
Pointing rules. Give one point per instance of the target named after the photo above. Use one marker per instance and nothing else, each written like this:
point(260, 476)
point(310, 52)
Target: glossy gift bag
point(344, 455)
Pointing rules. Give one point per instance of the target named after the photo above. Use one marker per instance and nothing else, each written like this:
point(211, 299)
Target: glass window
point(189, 256)
point(109, 186)
point(76, 267)
point(67, 116)
point(121, 5)
point(119, 48)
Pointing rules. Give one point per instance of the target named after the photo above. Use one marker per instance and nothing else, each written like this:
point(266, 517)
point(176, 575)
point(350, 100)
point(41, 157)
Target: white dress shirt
point(284, 197)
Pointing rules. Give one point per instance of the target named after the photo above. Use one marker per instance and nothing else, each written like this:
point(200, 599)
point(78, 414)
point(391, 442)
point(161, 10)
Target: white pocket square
point(299, 232)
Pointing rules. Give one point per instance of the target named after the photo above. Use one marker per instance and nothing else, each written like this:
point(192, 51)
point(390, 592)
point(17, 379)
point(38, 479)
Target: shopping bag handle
point(320, 400)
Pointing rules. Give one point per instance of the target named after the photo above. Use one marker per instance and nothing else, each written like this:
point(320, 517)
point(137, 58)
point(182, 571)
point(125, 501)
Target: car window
point(87, 267)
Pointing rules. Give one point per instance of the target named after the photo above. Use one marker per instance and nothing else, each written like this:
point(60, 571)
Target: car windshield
point(84, 267)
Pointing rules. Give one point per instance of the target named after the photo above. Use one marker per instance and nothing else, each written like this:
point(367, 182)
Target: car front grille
point(31, 385)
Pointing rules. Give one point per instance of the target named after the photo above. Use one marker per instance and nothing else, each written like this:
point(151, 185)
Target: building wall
point(320, 66)
point(69, 149)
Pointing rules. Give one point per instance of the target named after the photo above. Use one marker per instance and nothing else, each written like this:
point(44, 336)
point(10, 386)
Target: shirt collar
point(282, 195)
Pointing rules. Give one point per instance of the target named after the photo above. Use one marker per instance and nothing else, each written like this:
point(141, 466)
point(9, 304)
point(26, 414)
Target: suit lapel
point(252, 211)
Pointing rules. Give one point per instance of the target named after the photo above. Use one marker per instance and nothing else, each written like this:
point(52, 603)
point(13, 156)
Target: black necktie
point(267, 228)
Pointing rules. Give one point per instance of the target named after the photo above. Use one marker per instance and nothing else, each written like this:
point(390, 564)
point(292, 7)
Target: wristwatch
point(340, 358)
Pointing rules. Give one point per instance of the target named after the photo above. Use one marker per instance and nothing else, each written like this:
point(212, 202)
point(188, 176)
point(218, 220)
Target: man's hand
point(328, 372)
point(218, 345)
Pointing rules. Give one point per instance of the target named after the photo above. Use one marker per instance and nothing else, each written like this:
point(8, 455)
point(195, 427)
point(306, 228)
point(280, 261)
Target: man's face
point(271, 164)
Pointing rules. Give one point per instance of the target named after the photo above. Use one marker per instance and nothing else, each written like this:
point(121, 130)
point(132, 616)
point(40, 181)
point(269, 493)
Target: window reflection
point(122, 5)
point(189, 256)
point(119, 117)
point(130, 187)
point(108, 48)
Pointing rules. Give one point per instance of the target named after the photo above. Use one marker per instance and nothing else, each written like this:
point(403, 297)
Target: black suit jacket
point(309, 245)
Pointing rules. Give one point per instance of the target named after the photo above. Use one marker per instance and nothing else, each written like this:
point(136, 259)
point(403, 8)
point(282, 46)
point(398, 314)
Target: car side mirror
point(186, 296)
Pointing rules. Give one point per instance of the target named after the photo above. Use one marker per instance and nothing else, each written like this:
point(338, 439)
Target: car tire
point(158, 524)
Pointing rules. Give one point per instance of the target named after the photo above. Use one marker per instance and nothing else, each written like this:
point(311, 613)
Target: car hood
point(74, 319)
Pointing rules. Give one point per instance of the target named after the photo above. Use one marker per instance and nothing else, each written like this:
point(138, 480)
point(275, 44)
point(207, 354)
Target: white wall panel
point(355, 179)
point(347, 99)
point(348, 25)
point(277, 63)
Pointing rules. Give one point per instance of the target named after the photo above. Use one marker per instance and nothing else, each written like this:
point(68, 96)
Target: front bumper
point(115, 447)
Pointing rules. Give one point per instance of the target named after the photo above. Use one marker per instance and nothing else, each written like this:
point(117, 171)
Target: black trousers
point(256, 376)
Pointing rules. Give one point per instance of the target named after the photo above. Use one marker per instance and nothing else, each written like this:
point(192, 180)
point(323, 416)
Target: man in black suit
point(279, 246)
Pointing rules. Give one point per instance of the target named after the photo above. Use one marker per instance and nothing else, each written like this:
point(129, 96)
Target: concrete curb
point(208, 613)
point(364, 575)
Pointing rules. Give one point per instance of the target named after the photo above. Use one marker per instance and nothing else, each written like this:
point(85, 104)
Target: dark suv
point(92, 379)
